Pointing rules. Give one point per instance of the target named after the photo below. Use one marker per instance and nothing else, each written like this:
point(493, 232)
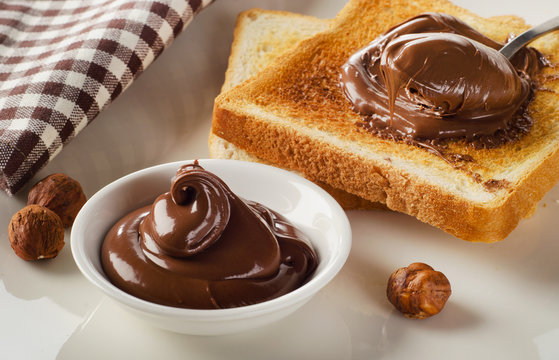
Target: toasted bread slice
point(260, 37)
point(294, 115)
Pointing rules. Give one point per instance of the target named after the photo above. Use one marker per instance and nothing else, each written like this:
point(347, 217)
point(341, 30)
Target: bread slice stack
point(293, 115)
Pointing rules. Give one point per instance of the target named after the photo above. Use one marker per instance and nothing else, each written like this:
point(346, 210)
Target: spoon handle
point(529, 35)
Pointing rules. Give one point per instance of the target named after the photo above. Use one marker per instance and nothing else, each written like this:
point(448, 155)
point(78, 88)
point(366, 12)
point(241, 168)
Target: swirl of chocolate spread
point(433, 77)
point(200, 246)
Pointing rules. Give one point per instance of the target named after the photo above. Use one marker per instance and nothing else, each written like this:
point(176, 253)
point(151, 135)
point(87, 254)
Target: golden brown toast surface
point(261, 36)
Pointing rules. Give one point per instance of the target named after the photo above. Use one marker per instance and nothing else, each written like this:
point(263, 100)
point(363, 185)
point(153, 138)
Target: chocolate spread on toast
point(435, 77)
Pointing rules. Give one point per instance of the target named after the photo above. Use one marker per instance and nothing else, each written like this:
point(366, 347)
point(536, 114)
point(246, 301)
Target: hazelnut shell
point(35, 233)
point(59, 193)
point(418, 291)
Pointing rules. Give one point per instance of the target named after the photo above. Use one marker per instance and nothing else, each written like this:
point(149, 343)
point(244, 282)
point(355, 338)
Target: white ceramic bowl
point(309, 207)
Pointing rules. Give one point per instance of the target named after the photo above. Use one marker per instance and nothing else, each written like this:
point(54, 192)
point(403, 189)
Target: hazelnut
point(418, 291)
point(35, 233)
point(59, 193)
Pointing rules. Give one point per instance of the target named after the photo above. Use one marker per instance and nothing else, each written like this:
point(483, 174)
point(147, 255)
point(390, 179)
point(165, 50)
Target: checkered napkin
point(62, 62)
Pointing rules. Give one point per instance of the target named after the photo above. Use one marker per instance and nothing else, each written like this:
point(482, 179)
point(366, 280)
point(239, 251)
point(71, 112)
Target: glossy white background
point(505, 295)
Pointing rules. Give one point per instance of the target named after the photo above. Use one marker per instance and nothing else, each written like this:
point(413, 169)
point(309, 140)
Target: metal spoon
point(528, 36)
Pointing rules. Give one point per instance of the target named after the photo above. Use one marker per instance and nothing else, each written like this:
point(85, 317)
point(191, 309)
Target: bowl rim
point(305, 292)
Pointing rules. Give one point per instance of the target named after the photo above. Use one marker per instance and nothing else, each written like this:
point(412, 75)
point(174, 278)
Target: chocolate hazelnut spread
point(201, 246)
point(435, 77)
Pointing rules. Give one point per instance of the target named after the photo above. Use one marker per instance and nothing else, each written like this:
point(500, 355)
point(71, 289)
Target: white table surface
point(505, 296)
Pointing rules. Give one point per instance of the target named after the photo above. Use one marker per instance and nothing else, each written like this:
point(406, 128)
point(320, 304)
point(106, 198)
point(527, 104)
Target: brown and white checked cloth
point(62, 62)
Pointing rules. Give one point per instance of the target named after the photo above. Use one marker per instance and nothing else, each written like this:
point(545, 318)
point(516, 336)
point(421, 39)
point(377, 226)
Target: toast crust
point(222, 149)
point(295, 116)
